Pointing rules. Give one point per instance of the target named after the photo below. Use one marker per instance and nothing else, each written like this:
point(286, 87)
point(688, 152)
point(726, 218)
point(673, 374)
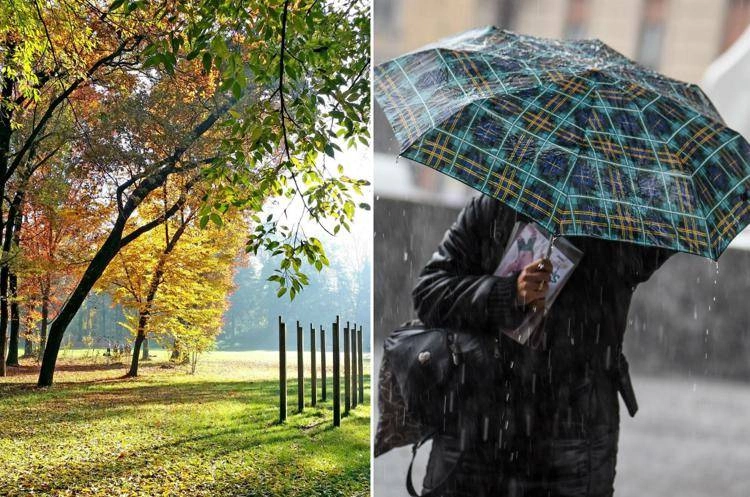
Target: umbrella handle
point(552, 239)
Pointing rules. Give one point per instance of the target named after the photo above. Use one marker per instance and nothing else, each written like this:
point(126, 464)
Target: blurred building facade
point(677, 37)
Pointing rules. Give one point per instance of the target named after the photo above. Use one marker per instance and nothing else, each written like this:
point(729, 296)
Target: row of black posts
point(354, 389)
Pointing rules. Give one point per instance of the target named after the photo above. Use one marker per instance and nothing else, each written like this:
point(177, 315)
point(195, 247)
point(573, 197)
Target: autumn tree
point(48, 51)
point(174, 279)
point(63, 223)
point(282, 83)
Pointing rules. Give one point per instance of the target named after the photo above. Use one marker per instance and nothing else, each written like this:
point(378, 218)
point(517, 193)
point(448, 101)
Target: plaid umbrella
point(573, 134)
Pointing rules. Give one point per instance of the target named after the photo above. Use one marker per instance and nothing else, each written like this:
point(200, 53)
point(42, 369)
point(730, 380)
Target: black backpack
point(435, 380)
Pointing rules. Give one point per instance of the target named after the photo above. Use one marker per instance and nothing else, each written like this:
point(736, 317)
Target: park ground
point(690, 438)
point(170, 433)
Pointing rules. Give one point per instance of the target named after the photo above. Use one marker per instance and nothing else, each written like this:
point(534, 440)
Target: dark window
point(576, 23)
point(385, 15)
point(737, 20)
point(652, 33)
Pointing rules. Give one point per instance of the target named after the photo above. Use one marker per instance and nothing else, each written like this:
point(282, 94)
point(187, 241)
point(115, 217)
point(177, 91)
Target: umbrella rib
point(725, 172)
point(389, 97)
point(632, 184)
point(714, 152)
point(692, 180)
point(682, 127)
point(499, 80)
point(630, 204)
point(601, 187)
point(605, 161)
point(731, 190)
point(705, 222)
point(429, 114)
point(663, 178)
point(546, 140)
point(458, 83)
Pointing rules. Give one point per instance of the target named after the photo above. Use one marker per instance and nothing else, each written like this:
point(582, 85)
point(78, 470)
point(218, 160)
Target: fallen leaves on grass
point(167, 433)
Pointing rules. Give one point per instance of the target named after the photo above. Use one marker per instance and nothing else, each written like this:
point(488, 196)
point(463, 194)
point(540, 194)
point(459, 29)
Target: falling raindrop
point(695, 312)
point(406, 256)
point(608, 358)
point(528, 424)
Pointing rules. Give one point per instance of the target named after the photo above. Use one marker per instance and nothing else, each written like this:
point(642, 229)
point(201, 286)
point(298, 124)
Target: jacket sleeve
point(453, 290)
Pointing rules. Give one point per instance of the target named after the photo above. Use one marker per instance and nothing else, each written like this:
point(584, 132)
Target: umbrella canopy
point(574, 135)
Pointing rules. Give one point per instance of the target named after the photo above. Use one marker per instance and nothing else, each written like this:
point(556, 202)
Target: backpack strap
point(409, 483)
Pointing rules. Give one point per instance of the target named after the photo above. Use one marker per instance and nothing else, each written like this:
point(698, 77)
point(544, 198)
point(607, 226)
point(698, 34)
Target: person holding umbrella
point(560, 434)
point(629, 165)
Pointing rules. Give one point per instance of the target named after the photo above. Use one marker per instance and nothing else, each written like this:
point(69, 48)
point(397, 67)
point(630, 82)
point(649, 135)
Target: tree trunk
point(175, 351)
point(8, 236)
point(153, 287)
point(15, 322)
point(3, 313)
point(140, 337)
point(28, 348)
point(5, 135)
point(96, 267)
point(145, 356)
point(43, 325)
point(15, 318)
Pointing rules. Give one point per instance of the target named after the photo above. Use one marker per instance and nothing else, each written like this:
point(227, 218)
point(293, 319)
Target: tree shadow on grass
point(85, 403)
point(268, 451)
point(246, 431)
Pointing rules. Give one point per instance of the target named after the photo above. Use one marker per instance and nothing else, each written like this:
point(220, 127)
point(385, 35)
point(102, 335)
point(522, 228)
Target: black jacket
point(565, 391)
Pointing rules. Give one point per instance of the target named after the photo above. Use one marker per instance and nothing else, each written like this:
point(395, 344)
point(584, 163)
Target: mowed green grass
point(169, 433)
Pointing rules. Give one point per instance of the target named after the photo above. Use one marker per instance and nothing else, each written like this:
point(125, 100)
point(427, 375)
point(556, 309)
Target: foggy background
point(688, 338)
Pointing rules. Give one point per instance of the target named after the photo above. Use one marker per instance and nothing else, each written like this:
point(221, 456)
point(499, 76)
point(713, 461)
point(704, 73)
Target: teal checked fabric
point(574, 135)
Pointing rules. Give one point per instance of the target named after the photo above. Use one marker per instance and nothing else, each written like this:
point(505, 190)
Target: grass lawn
point(166, 433)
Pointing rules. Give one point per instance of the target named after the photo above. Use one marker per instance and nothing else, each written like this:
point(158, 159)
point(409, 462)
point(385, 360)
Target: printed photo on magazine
point(529, 242)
